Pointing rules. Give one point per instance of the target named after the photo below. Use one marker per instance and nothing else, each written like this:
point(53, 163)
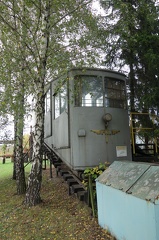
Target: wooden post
point(4, 159)
point(91, 194)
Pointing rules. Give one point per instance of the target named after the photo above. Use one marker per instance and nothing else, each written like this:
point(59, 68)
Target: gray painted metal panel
point(93, 148)
point(138, 179)
point(147, 186)
point(47, 125)
point(60, 131)
point(122, 175)
point(76, 130)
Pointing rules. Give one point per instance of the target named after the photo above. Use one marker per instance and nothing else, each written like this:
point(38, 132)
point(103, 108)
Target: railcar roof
point(82, 71)
point(95, 69)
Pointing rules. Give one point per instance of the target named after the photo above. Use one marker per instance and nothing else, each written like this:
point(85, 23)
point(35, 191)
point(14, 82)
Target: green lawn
point(58, 217)
point(6, 170)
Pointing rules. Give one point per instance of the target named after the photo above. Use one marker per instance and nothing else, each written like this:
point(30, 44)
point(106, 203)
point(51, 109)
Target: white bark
point(35, 178)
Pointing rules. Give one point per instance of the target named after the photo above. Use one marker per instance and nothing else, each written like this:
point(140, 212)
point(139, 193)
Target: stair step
point(71, 181)
point(54, 159)
point(63, 171)
point(67, 176)
point(58, 168)
point(81, 195)
point(57, 164)
point(76, 188)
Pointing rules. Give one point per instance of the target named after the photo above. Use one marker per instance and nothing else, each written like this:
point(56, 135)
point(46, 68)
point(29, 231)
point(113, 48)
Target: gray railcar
point(86, 118)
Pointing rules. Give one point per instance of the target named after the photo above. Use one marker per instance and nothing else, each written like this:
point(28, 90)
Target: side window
point(47, 101)
point(115, 93)
point(88, 91)
point(57, 105)
point(63, 99)
point(60, 100)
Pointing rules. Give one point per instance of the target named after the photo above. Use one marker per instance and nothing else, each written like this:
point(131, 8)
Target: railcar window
point(60, 100)
point(57, 105)
point(88, 91)
point(63, 99)
point(114, 93)
point(47, 101)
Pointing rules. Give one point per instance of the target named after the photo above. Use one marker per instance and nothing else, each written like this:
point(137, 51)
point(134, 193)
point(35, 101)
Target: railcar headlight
point(107, 118)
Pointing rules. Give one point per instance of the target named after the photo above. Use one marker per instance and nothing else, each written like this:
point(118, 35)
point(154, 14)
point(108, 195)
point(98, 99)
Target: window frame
point(79, 101)
point(114, 102)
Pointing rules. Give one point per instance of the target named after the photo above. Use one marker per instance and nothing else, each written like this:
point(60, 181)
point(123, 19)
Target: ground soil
point(88, 224)
point(58, 217)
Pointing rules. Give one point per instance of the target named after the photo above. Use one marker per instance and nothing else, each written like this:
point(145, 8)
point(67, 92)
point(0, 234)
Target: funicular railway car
point(86, 118)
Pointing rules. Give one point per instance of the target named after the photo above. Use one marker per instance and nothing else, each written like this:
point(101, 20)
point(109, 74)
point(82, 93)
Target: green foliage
point(146, 125)
point(40, 41)
point(90, 175)
point(32, 48)
point(132, 40)
point(4, 147)
point(94, 172)
point(26, 141)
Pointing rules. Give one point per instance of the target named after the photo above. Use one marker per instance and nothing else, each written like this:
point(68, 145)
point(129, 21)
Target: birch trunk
point(32, 197)
point(19, 102)
point(14, 149)
point(20, 174)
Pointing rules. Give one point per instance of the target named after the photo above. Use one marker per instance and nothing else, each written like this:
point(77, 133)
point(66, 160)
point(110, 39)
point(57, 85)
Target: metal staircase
point(74, 183)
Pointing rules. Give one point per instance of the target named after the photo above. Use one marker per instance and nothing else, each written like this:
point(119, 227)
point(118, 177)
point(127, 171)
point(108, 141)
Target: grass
point(5, 169)
point(58, 217)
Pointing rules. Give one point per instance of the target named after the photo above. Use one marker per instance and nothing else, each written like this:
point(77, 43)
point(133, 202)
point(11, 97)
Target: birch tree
point(13, 98)
point(58, 35)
